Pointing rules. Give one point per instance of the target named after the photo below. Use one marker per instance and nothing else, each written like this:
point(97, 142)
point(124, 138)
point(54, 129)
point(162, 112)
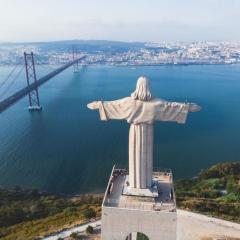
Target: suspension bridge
point(32, 82)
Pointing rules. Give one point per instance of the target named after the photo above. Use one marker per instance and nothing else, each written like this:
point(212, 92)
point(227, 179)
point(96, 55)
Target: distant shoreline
point(140, 65)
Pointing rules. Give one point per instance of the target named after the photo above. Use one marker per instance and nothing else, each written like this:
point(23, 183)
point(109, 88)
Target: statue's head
point(142, 91)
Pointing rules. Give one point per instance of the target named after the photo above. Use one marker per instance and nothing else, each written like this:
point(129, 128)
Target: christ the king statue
point(141, 110)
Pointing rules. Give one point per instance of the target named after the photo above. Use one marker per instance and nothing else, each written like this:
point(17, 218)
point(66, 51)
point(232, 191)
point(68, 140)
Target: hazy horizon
point(108, 40)
point(135, 21)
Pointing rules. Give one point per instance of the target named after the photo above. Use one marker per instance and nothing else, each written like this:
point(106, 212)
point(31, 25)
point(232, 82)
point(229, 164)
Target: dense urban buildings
point(119, 53)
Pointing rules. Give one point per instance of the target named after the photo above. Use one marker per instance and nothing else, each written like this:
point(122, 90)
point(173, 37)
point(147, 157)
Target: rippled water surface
point(66, 148)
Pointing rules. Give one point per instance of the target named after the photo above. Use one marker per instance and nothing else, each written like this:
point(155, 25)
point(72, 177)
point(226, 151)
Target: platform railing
point(140, 206)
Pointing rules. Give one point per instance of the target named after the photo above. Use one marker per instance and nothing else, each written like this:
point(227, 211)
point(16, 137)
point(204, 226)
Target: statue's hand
point(94, 105)
point(194, 107)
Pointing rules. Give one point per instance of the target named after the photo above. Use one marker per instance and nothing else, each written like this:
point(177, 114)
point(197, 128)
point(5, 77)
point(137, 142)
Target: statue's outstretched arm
point(118, 109)
point(94, 105)
point(193, 107)
point(174, 111)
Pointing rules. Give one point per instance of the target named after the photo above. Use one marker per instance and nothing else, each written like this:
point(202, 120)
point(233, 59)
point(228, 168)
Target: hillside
point(25, 214)
point(216, 192)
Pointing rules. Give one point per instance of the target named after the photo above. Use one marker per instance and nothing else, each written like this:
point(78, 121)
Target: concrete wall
point(118, 223)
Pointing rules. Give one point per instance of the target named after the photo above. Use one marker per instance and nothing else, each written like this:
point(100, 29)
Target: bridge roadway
point(25, 91)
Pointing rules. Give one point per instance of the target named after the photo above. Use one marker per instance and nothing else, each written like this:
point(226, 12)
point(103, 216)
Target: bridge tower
point(75, 56)
point(34, 103)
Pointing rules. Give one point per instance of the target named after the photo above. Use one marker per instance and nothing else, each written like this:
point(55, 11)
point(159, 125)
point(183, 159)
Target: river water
point(67, 149)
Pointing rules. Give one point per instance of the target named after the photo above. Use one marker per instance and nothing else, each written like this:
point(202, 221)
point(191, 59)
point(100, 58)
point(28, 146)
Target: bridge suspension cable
point(32, 86)
point(42, 67)
point(8, 76)
point(6, 90)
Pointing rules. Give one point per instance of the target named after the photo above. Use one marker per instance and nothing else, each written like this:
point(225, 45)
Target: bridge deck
point(25, 91)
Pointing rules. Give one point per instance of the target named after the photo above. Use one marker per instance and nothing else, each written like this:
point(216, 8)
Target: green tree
point(89, 230)
point(230, 184)
point(141, 236)
point(89, 213)
point(74, 235)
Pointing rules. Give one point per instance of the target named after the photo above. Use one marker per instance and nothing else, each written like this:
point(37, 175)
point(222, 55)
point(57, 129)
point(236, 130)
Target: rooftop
point(161, 199)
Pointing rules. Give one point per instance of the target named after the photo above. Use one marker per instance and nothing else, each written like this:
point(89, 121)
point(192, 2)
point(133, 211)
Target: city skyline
point(30, 21)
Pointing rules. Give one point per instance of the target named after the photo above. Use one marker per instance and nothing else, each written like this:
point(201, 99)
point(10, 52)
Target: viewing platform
point(160, 197)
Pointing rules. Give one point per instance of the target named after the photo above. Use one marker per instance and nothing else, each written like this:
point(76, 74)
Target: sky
point(123, 20)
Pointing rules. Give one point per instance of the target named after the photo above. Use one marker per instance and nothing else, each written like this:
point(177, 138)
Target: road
point(193, 226)
point(67, 233)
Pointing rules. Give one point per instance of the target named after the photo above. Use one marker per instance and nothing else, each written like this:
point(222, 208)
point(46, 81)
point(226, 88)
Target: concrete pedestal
point(123, 215)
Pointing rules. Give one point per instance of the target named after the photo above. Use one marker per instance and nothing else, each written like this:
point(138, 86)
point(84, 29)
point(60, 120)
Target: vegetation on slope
point(28, 214)
point(25, 214)
point(216, 192)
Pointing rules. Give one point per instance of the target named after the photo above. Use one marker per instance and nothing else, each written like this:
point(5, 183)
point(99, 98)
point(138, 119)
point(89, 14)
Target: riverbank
point(214, 192)
point(27, 214)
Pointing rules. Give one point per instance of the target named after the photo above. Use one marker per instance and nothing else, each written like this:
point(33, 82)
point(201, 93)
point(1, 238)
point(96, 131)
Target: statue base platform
point(127, 211)
point(142, 192)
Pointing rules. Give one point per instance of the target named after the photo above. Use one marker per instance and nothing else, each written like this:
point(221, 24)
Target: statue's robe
point(141, 115)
